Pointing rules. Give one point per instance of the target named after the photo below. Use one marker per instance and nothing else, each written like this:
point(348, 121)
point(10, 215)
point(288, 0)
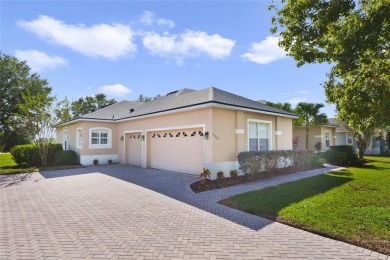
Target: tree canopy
point(15, 80)
point(89, 104)
point(284, 106)
point(143, 98)
point(354, 36)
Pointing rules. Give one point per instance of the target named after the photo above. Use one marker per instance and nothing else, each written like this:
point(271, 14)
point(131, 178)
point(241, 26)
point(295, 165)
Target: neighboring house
point(324, 134)
point(344, 137)
point(183, 131)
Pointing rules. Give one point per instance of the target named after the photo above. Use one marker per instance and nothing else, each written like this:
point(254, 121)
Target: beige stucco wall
point(316, 134)
point(182, 119)
point(222, 146)
point(227, 144)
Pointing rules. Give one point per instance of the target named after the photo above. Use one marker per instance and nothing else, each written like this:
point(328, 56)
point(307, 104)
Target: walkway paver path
point(125, 212)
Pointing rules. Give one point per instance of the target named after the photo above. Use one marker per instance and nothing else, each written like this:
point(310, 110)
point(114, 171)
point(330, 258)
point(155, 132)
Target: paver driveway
point(127, 212)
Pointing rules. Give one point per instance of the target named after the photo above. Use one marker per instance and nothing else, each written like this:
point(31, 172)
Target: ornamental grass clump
point(220, 175)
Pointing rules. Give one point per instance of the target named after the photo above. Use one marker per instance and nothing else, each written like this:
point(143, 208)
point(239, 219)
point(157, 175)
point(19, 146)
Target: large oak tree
point(354, 36)
point(15, 80)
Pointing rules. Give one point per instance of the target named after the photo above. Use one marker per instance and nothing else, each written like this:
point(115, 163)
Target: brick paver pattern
point(126, 212)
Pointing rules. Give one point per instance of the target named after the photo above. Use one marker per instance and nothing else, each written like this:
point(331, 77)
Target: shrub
point(318, 146)
point(342, 155)
point(295, 143)
point(220, 175)
point(233, 174)
point(53, 150)
point(317, 161)
point(271, 161)
point(206, 174)
point(26, 154)
point(302, 159)
point(255, 162)
point(95, 162)
point(66, 157)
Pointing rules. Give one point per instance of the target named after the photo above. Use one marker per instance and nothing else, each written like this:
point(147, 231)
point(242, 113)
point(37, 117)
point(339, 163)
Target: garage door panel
point(135, 149)
point(176, 150)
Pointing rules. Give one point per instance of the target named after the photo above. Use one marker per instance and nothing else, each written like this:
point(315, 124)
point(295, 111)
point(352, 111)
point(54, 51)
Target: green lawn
point(351, 205)
point(8, 166)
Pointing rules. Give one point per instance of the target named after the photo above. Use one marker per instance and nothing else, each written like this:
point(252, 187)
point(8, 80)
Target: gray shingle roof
point(179, 99)
point(341, 127)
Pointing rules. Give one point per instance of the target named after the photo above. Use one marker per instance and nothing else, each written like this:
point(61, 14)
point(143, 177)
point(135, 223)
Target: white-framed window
point(259, 135)
point(100, 137)
point(349, 139)
point(79, 138)
point(327, 139)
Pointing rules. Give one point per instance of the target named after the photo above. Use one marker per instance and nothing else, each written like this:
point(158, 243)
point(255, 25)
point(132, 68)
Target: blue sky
point(128, 48)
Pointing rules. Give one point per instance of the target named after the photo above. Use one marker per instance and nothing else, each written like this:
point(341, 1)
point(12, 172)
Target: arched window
point(100, 137)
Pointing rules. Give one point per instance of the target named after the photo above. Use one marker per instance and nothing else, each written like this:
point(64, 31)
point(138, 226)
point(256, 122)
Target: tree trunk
point(361, 144)
point(307, 138)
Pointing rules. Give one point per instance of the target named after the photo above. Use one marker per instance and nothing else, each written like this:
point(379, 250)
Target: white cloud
point(165, 22)
point(295, 101)
point(265, 51)
point(188, 44)
point(39, 61)
point(101, 40)
point(149, 18)
point(117, 90)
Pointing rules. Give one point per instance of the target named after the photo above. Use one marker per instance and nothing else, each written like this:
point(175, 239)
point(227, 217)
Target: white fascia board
point(86, 120)
point(252, 110)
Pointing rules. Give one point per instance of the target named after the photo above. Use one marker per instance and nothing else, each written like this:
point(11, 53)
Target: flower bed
point(207, 184)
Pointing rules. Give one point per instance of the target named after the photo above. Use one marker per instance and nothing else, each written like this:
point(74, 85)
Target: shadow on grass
point(270, 201)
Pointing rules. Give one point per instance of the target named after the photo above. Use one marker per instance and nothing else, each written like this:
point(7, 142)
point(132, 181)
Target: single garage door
point(135, 149)
point(176, 150)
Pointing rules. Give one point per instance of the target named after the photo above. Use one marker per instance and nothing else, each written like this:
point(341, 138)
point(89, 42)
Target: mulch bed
point(205, 185)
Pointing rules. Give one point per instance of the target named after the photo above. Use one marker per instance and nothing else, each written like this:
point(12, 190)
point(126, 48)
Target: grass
point(8, 166)
point(351, 205)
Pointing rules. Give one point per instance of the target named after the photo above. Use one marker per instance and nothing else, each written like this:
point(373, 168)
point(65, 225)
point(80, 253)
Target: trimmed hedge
point(53, 150)
point(68, 157)
point(271, 161)
point(342, 155)
point(26, 154)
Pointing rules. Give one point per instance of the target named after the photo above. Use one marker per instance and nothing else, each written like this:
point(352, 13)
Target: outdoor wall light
point(206, 135)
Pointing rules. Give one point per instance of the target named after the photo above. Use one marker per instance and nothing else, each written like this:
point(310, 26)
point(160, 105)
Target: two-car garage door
point(178, 150)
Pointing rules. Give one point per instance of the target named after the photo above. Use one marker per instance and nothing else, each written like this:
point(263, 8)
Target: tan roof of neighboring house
point(178, 99)
point(341, 125)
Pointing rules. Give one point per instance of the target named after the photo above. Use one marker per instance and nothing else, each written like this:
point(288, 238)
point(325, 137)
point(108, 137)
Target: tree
point(89, 104)
point(37, 114)
point(63, 110)
point(355, 37)
point(309, 116)
point(143, 98)
point(283, 106)
point(15, 80)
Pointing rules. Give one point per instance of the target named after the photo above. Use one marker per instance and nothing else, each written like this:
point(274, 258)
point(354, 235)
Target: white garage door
point(176, 150)
point(135, 149)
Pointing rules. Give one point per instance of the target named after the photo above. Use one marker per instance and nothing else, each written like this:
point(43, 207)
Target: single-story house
point(183, 131)
point(344, 137)
point(326, 134)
